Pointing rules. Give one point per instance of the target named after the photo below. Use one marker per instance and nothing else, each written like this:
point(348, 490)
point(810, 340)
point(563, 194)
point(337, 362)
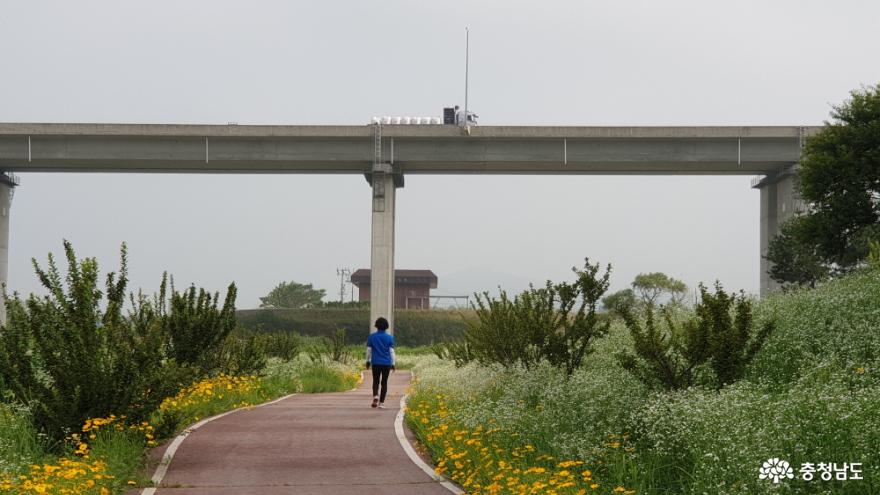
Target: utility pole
point(344, 275)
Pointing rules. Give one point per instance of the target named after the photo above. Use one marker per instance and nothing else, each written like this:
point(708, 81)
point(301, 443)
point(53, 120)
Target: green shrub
point(332, 348)
point(70, 361)
point(195, 326)
point(731, 340)
point(168, 423)
point(336, 349)
point(458, 351)
point(557, 322)
point(664, 358)
point(283, 345)
point(721, 335)
point(242, 355)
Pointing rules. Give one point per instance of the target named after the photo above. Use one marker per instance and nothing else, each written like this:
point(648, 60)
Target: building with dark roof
point(412, 288)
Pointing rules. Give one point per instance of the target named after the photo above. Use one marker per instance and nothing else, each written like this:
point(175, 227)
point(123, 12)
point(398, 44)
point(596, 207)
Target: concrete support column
point(779, 202)
point(769, 227)
point(382, 246)
point(6, 188)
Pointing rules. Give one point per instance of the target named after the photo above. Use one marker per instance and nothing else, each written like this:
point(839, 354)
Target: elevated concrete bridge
point(386, 154)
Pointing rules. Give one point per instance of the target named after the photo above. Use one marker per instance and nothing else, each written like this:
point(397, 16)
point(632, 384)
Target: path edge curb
point(411, 451)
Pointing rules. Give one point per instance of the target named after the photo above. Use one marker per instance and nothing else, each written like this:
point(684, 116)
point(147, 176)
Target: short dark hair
point(381, 323)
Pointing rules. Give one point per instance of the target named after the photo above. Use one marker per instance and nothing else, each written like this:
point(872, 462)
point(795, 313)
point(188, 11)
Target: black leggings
point(381, 371)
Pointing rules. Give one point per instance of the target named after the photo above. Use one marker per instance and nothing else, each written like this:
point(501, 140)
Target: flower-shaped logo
point(776, 469)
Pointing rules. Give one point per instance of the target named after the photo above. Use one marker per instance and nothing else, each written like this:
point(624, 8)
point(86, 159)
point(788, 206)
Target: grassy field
point(811, 396)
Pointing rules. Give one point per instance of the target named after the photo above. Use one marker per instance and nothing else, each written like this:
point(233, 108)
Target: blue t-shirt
point(381, 343)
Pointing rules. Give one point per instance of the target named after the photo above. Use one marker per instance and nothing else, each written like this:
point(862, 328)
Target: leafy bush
point(557, 322)
point(664, 358)
point(195, 326)
point(336, 347)
point(732, 340)
point(242, 355)
point(332, 348)
point(721, 335)
point(458, 351)
point(283, 345)
point(70, 360)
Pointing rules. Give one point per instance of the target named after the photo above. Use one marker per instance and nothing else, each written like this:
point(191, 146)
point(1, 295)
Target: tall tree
point(796, 261)
point(651, 286)
point(291, 295)
point(620, 302)
point(840, 179)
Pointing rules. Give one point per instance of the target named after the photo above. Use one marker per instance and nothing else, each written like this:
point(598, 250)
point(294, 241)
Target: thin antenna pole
point(467, 36)
point(343, 273)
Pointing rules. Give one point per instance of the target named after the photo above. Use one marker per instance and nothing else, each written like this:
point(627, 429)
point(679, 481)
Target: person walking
point(380, 355)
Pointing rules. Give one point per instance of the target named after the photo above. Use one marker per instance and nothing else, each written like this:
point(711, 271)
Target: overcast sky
point(342, 62)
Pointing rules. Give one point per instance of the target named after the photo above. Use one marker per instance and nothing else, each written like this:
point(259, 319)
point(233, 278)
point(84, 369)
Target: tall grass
point(20, 444)
point(124, 454)
point(317, 379)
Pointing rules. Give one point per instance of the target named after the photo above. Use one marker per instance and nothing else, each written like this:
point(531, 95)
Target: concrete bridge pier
point(779, 202)
point(384, 183)
point(7, 186)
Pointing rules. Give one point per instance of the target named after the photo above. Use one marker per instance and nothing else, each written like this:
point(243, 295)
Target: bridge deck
point(413, 149)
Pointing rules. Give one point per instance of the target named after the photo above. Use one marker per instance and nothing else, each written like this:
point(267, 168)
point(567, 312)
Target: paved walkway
point(308, 444)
